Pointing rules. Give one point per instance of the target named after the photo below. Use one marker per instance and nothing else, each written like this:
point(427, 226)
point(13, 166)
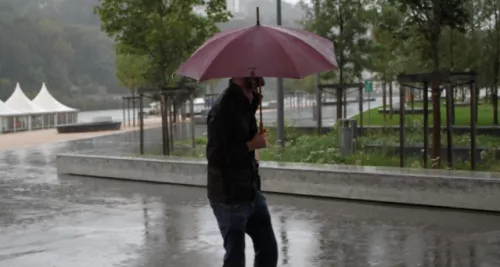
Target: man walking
point(233, 178)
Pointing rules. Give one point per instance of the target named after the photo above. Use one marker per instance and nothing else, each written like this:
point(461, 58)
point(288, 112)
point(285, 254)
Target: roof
point(46, 101)
point(6, 111)
point(20, 102)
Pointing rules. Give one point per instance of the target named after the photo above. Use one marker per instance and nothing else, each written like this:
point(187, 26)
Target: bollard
point(346, 137)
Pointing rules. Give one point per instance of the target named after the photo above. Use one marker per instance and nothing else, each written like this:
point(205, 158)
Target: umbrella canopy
point(270, 51)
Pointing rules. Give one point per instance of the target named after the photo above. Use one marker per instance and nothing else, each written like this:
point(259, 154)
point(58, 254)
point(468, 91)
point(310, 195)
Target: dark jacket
point(232, 169)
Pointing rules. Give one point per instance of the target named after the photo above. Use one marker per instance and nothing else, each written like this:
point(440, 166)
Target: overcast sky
point(294, 1)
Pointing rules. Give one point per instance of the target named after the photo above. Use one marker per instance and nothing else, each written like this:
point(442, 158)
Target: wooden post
point(141, 126)
point(401, 126)
point(390, 100)
point(133, 108)
point(361, 111)
point(164, 124)
point(384, 100)
point(473, 116)
point(191, 111)
point(123, 110)
point(449, 116)
point(128, 111)
point(426, 122)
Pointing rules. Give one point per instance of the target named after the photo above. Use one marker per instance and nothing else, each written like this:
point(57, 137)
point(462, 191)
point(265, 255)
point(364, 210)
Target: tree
point(386, 53)
point(130, 70)
point(306, 84)
point(166, 31)
point(491, 20)
point(345, 23)
point(430, 17)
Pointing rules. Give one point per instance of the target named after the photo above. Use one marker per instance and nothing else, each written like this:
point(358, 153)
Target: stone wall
point(467, 190)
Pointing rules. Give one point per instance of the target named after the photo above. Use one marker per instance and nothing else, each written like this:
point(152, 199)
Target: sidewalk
point(33, 138)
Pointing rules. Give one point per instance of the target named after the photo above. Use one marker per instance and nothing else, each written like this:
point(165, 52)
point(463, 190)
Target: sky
point(294, 1)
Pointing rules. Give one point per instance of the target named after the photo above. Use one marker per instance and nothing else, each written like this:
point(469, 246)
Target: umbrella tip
point(258, 16)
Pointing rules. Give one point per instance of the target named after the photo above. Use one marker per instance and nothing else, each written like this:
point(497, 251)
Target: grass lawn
point(462, 116)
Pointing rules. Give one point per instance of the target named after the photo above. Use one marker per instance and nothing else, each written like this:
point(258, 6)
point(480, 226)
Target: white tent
point(20, 102)
point(6, 111)
point(35, 115)
point(46, 101)
point(61, 114)
point(8, 118)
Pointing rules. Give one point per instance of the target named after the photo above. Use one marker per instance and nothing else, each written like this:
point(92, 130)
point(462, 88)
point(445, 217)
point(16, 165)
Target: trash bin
point(348, 128)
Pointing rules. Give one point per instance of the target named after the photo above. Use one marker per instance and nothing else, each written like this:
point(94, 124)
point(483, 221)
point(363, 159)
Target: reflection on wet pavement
point(51, 220)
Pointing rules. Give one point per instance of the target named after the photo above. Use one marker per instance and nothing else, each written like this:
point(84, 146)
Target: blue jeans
point(252, 218)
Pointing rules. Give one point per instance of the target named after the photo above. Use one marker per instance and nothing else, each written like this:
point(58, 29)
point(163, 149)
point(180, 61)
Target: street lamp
point(280, 92)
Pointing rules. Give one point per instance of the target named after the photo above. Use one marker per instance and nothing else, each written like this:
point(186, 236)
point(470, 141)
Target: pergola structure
point(450, 80)
point(165, 95)
point(344, 90)
point(128, 103)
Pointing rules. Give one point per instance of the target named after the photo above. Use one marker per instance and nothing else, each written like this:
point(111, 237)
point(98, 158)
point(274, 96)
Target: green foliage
point(345, 23)
point(167, 32)
point(429, 18)
point(307, 84)
point(324, 149)
point(130, 70)
point(462, 116)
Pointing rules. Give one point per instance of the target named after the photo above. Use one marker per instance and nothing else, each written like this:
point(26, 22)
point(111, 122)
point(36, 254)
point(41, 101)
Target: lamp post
point(319, 115)
point(280, 92)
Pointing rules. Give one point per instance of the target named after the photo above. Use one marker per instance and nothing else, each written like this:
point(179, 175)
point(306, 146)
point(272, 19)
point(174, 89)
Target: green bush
point(324, 149)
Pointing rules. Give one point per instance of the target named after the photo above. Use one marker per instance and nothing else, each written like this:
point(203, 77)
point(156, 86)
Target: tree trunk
point(496, 68)
point(494, 99)
point(390, 99)
point(175, 111)
point(340, 91)
point(133, 107)
point(384, 96)
point(436, 108)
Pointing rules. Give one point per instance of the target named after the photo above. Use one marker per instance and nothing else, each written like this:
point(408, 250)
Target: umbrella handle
point(261, 123)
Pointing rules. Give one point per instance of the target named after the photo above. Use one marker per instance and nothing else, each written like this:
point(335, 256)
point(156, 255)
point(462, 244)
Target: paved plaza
point(61, 221)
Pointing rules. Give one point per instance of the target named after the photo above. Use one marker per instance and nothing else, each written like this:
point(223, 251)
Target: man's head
point(247, 82)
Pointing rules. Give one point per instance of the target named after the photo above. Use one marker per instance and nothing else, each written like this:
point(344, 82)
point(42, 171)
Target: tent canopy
point(6, 111)
point(20, 102)
point(46, 101)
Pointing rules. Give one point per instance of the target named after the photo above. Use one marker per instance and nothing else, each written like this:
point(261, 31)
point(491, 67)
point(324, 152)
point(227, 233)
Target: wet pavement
point(60, 221)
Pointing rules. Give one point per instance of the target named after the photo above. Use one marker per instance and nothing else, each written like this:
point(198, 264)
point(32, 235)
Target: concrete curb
point(439, 188)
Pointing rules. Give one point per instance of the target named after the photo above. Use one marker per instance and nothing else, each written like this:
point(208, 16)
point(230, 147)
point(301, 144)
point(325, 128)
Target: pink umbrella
point(270, 51)
point(260, 51)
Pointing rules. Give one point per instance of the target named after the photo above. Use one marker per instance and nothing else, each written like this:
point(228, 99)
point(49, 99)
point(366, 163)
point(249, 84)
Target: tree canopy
point(166, 32)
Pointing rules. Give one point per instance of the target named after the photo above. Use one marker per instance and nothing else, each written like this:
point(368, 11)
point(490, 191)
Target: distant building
point(233, 6)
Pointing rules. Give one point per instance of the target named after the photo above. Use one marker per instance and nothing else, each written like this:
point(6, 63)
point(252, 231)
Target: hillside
point(59, 42)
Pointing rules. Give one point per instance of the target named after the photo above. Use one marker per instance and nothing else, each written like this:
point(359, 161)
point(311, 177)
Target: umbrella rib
point(286, 51)
point(234, 36)
point(300, 38)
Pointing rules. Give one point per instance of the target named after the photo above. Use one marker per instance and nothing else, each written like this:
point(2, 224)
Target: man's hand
point(258, 141)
